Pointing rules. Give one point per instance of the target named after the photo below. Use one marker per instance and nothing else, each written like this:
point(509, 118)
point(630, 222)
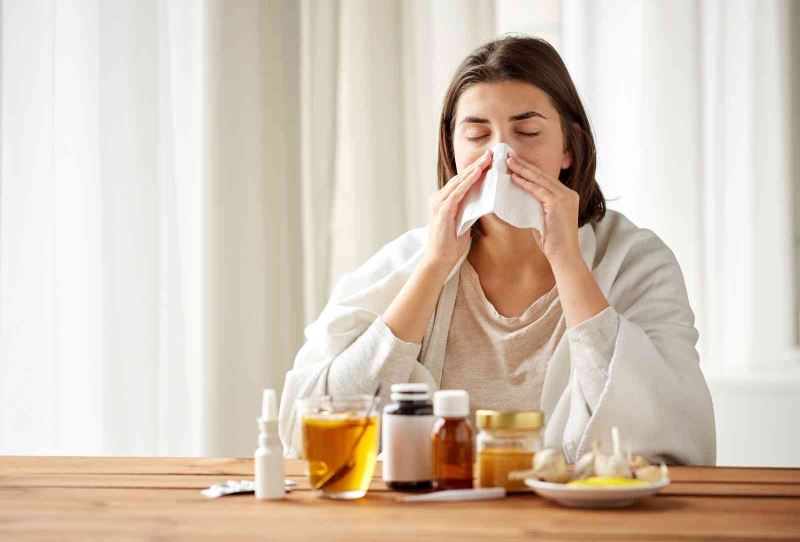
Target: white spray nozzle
point(269, 406)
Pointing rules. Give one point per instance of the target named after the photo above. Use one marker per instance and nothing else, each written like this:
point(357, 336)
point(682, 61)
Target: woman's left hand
point(581, 297)
point(561, 205)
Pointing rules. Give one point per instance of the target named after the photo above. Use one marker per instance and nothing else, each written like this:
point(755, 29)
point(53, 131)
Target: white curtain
point(691, 102)
point(183, 181)
point(375, 73)
point(150, 253)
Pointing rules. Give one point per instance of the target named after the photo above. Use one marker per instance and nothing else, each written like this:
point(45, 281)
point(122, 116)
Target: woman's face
point(516, 113)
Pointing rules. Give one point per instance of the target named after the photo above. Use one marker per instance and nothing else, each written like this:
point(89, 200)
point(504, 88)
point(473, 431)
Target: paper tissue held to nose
point(499, 195)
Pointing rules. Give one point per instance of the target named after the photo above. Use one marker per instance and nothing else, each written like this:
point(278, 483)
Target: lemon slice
point(606, 481)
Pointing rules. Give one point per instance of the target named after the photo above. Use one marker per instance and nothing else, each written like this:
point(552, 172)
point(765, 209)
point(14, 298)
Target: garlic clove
point(584, 468)
point(650, 473)
point(637, 462)
point(615, 464)
point(653, 473)
point(549, 465)
point(544, 463)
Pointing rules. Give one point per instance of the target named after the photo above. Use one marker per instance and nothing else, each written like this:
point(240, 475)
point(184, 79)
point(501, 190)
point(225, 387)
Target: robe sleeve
point(649, 383)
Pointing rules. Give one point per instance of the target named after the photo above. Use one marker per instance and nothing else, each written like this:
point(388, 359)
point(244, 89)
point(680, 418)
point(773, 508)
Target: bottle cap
point(451, 404)
point(269, 408)
point(411, 392)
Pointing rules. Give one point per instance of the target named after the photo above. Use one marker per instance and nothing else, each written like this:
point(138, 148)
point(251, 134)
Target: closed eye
point(478, 138)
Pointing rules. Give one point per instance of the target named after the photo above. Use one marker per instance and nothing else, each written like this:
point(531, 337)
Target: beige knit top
point(501, 361)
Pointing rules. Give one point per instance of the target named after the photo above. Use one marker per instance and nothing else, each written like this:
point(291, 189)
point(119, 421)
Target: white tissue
point(499, 195)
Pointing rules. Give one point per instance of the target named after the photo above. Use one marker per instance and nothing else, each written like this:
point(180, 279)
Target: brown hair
point(534, 61)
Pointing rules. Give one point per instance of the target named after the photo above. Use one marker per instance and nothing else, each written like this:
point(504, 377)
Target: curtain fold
point(689, 101)
point(375, 73)
point(369, 196)
point(319, 45)
point(748, 183)
point(254, 312)
point(150, 247)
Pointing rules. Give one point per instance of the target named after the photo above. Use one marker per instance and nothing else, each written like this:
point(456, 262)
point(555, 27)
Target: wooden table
point(70, 498)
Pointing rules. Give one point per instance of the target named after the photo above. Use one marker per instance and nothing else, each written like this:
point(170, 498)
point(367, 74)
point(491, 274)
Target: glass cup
point(340, 443)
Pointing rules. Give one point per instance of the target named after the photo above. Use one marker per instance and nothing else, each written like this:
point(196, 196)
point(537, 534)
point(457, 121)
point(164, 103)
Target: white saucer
point(595, 497)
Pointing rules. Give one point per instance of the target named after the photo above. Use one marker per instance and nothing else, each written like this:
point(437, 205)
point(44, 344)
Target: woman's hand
point(561, 206)
point(581, 297)
point(410, 311)
point(444, 248)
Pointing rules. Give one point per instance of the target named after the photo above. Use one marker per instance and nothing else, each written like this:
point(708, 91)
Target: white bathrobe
point(652, 387)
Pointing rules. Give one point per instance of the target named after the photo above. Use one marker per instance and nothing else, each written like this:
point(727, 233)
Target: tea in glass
point(340, 443)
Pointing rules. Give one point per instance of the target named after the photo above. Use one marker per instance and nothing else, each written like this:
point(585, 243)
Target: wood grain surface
point(129, 498)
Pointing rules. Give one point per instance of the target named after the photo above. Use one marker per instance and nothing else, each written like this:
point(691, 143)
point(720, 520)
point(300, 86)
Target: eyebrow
point(514, 118)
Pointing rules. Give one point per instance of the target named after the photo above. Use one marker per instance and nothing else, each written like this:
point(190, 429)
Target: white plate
point(595, 497)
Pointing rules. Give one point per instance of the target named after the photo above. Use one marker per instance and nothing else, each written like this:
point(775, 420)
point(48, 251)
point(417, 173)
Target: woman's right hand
point(412, 308)
point(444, 248)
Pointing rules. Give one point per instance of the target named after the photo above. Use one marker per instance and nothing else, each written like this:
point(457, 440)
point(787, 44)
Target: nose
point(500, 136)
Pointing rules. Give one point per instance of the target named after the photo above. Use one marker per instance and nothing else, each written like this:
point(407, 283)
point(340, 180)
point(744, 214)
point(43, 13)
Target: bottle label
point(407, 448)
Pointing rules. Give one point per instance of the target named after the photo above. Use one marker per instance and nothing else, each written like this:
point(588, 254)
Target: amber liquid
point(329, 444)
point(453, 454)
point(494, 464)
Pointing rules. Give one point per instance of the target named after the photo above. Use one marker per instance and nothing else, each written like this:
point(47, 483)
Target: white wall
point(758, 420)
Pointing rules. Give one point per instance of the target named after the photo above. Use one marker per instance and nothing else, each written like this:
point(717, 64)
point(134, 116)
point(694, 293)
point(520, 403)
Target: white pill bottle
point(406, 438)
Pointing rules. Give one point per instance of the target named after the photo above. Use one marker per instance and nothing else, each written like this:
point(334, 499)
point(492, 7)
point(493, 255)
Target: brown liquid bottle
point(452, 440)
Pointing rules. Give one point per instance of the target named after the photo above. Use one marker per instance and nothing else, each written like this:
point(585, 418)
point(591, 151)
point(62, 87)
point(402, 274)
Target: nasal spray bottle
point(268, 457)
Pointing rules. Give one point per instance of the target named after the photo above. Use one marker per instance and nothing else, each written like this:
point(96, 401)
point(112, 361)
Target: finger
point(458, 194)
point(534, 174)
point(538, 238)
point(450, 205)
point(480, 163)
point(453, 183)
point(539, 192)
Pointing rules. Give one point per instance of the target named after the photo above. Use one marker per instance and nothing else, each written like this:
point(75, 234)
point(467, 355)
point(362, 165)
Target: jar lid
point(510, 419)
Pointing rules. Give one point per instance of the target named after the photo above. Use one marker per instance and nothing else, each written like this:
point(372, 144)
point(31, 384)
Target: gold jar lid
point(510, 419)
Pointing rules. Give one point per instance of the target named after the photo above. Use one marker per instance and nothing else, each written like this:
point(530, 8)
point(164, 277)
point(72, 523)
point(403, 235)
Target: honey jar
point(506, 442)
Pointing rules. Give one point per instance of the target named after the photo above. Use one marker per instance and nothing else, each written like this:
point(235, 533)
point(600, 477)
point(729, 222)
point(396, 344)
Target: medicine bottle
point(406, 434)
point(452, 440)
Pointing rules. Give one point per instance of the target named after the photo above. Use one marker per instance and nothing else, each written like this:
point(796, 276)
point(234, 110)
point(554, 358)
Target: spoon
point(334, 476)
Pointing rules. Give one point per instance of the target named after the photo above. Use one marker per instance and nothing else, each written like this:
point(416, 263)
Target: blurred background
point(183, 181)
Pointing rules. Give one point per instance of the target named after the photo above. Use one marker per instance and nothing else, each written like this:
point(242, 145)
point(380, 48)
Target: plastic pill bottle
point(406, 436)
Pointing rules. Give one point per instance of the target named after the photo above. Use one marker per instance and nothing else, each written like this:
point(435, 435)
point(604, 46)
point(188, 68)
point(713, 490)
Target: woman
point(589, 323)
